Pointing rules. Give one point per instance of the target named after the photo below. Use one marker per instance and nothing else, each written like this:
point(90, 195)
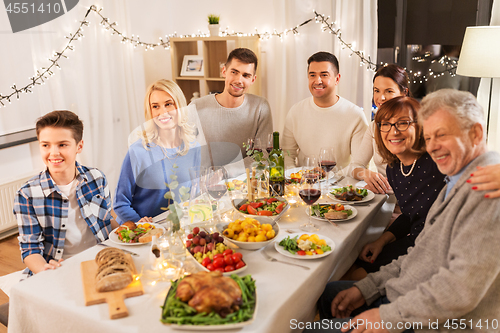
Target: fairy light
point(108, 25)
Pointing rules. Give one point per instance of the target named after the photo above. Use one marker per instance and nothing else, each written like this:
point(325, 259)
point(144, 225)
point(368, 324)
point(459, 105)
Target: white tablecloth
point(53, 301)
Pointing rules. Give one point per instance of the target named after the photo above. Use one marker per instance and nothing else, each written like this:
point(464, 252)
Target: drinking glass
point(310, 192)
point(255, 144)
point(270, 143)
point(200, 207)
point(216, 183)
point(327, 162)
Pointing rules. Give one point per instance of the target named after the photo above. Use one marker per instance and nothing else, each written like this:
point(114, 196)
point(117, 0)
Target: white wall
point(105, 85)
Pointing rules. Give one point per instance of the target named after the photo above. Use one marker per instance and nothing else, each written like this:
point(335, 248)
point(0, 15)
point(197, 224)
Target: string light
point(44, 73)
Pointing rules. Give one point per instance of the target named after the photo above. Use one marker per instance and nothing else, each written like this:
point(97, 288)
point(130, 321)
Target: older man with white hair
point(450, 279)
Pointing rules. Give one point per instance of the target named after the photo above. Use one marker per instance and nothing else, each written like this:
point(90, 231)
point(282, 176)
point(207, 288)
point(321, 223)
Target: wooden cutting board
point(115, 299)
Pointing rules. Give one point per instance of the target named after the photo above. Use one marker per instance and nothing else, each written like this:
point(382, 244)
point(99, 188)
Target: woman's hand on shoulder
point(486, 179)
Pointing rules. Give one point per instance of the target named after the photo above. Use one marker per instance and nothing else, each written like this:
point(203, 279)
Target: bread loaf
point(148, 236)
point(114, 271)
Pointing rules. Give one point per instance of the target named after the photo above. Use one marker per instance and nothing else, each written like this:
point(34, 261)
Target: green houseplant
point(213, 24)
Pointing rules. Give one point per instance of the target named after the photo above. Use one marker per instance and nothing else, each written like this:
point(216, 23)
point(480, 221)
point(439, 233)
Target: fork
point(337, 181)
point(269, 258)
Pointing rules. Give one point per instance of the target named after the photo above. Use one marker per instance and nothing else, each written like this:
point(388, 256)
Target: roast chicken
point(210, 291)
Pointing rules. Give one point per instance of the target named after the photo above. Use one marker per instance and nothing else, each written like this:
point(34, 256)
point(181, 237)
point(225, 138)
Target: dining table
point(53, 300)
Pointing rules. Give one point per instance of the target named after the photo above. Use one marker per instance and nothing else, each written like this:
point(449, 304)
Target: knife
point(126, 251)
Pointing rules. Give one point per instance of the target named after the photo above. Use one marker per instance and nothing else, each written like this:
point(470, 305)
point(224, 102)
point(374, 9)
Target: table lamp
point(480, 56)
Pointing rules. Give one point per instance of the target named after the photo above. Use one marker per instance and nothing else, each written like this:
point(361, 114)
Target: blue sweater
point(144, 180)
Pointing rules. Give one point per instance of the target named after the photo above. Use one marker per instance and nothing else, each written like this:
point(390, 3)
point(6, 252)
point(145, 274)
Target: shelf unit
point(215, 51)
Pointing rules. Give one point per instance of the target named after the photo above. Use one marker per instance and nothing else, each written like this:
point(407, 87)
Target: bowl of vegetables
point(271, 207)
point(250, 233)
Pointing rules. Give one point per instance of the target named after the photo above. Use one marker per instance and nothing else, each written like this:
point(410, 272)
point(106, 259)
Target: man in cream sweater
point(450, 279)
point(323, 120)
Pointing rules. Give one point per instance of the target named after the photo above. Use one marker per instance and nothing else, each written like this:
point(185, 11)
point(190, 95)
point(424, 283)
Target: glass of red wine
point(327, 162)
point(216, 183)
point(270, 143)
point(310, 192)
point(255, 144)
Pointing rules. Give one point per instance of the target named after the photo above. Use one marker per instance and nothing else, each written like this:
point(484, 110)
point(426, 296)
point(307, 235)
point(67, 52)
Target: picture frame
point(192, 65)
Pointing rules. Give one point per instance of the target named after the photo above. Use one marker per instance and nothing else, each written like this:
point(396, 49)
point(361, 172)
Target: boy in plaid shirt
point(66, 208)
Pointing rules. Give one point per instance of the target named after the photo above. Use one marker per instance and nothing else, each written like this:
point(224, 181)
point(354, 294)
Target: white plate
point(114, 236)
point(368, 197)
point(353, 215)
point(216, 327)
point(284, 252)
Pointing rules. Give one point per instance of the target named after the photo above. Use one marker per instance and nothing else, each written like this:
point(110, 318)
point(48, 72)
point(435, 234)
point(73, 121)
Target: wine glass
point(270, 143)
point(327, 162)
point(216, 183)
point(310, 192)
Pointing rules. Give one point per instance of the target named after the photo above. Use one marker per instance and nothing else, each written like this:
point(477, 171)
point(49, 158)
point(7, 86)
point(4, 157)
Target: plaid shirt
point(41, 210)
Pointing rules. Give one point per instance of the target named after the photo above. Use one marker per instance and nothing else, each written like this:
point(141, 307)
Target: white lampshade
point(480, 54)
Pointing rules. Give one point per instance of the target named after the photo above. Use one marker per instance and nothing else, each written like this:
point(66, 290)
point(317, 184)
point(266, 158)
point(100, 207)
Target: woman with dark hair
point(389, 81)
point(413, 176)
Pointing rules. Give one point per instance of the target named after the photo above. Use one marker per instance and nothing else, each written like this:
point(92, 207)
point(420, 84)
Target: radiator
point(8, 223)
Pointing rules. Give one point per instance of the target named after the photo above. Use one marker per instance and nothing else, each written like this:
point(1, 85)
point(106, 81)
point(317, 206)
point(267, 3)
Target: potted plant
point(213, 24)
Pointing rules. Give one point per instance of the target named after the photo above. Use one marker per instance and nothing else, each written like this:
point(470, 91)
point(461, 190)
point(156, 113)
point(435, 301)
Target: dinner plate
point(284, 252)
point(368, 197)
point(353, 215)
point(215, 327)
point(114, 236)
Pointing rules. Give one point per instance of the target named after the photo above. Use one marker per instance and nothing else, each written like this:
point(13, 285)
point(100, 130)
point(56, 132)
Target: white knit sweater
point(309, 127)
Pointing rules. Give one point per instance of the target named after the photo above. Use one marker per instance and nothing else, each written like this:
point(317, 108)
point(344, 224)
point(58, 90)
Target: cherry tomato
point(300, 253)
point(244, 207)
point(279, 208)
point(220, 269)
point(251, 210)
point(228, 260)
point(218, 255)
point(271, 200)
point(219, 262)
point(238, 254)
point(265, 213)
point(339, 207)
point(239, 264)
point(256, 204)
point(227, 252)
point(206, 261)
point(236, 258)
point(229, 268)
point(211, 267)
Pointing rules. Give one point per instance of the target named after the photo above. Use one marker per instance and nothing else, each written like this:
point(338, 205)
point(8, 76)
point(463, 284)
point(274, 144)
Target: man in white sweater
point(231, 118)
point(324, 119)
point(450, 280)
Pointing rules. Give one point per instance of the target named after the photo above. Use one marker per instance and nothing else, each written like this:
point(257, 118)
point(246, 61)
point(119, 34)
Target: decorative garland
point(46, 72)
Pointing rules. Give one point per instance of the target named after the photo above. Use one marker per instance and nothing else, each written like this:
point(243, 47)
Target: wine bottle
point(276, 168)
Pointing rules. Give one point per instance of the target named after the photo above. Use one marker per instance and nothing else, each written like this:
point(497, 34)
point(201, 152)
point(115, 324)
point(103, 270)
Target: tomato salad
point(263, 207)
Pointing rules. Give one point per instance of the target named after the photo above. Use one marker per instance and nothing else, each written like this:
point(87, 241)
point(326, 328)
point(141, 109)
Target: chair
point(4, 314)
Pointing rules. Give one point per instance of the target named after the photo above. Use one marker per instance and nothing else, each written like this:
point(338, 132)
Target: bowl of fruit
point(210, 252)
point(250, 233)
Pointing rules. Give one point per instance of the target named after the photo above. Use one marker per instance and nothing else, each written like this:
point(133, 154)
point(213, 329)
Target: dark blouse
point(415, 194)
